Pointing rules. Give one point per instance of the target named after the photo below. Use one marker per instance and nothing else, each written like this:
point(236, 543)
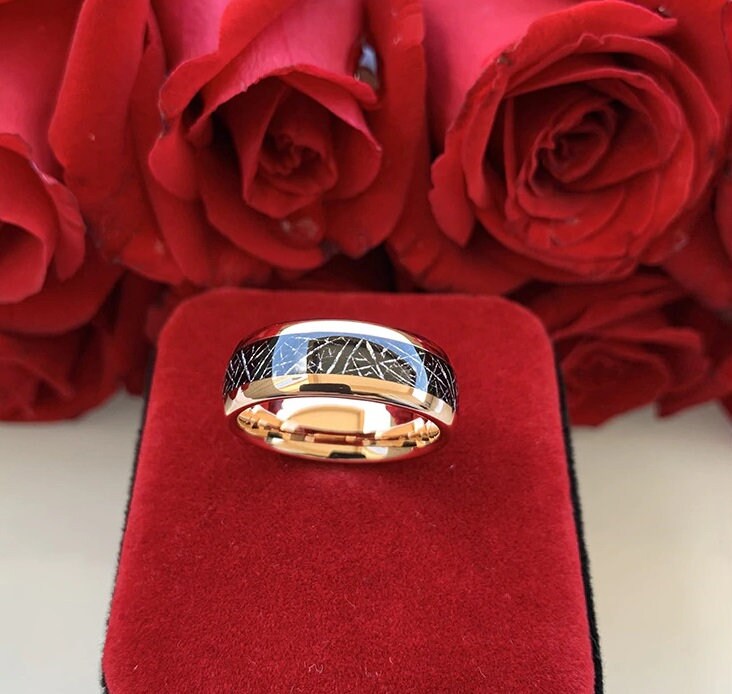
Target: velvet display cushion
point(242, 570)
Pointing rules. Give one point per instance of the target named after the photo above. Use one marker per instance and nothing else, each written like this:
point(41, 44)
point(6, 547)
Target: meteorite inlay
point(349, 355)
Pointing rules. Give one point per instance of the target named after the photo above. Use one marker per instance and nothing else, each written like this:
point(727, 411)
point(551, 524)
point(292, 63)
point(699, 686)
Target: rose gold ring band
point(340, 390)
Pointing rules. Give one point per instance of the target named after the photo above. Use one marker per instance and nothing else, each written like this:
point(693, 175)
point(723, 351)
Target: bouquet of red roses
point(573, 155)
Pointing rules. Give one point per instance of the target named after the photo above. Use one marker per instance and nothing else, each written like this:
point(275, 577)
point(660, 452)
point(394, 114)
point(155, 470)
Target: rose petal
point(67, 374)
point(89, 134)
point(198, 57)
point(361, 223)
point(572, 311)
point(22, 263)
point(247, 117)
point(271, 185)
point(358, 153)
point(31, 65)
point(193, 29)
point(654, 126)
point(66, 233)
point(703, 266)
point(79, 297)
point(172, 161)
point(30, 365)
point(186, 239)
point(28, 229)
point(572, 142)
point(206, 257)
point(436, 263)
point(449, 197)
point(245, 228)
point(306, 125)
point(716, 382)
point(102, 141)
point(605, 378)
point(702, 39)
point(288, 43)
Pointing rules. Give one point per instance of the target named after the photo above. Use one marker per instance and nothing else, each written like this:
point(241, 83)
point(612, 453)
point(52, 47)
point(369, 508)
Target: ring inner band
point(337, 428)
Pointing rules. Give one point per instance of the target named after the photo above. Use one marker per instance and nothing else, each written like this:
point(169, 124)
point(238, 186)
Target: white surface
point(656, 499)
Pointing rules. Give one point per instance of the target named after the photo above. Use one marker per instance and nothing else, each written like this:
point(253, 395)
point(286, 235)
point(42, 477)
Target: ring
point(340, 390)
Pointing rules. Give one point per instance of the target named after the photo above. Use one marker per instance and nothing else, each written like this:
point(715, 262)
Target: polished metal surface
point(340, 390)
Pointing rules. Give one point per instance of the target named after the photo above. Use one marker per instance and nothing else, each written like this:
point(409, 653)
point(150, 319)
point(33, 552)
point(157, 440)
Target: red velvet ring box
point(245, 571)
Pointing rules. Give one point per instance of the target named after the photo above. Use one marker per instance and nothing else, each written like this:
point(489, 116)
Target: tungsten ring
point(340, 390)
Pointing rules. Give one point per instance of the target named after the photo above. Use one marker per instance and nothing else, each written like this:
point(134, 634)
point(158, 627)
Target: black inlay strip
point(345, 355)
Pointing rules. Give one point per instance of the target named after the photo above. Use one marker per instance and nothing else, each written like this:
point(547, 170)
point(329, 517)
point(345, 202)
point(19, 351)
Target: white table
point(656, 495)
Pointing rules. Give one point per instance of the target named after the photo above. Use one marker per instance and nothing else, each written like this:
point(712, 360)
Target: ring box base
point(245, 571)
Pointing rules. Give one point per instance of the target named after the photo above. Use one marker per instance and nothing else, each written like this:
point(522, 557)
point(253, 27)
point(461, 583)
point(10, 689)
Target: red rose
point(288, 131)
point(579, 135)
point(627, 344)
point(41, 231)
point(48, 377)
